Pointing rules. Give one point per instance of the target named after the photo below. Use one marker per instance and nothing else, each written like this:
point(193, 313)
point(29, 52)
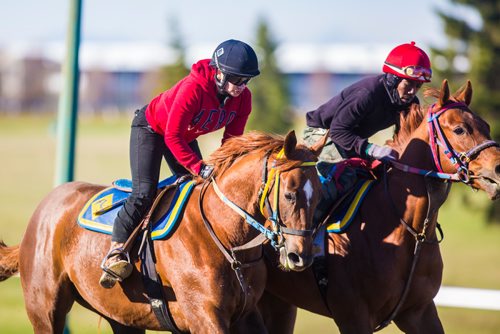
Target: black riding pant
point(146, 151)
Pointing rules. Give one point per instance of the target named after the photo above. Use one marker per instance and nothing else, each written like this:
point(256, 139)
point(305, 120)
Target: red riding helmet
point(410, 62)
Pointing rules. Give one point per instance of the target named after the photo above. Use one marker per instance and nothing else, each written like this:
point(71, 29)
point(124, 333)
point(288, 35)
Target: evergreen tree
point(270, 100)
point(481, 46)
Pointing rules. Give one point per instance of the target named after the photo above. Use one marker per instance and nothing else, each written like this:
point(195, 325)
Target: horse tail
point(9, 261)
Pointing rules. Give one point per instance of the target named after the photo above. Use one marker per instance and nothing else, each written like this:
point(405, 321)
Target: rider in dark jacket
point(370, 105)
point(358, 112)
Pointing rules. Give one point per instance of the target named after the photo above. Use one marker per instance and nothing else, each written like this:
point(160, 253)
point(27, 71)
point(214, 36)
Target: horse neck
point(416, 152)
point(240, 184)
point(423, 196)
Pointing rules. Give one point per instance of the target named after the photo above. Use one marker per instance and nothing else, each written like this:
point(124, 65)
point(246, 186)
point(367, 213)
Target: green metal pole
point(68, 100)
point(68, 103)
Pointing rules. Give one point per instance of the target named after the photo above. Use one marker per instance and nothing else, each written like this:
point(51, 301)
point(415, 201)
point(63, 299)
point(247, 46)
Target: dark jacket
point(357, 113)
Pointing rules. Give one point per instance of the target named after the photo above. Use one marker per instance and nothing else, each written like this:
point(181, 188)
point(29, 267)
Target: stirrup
point(124, 266)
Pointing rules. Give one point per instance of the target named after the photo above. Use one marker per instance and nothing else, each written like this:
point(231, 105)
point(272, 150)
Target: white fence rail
point(468, 298)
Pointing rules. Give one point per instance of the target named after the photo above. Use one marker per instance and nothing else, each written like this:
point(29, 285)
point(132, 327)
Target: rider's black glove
point(206, 171)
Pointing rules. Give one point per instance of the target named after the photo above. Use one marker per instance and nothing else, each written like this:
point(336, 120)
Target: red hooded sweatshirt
point(191, 108)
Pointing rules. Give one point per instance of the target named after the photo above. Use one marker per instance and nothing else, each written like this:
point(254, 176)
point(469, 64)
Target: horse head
point(298, 192)
point(272, 183)
point(458, 139)
point(466, 141)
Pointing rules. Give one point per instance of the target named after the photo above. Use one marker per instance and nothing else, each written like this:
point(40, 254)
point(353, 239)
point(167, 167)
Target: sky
point(210, 22)
point(352, 35)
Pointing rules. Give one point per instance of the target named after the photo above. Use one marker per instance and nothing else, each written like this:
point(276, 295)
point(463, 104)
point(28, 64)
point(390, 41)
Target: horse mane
point(435, 93)
point(259, 143)
point(10, 261)
point(408, 123)
point(432, 92)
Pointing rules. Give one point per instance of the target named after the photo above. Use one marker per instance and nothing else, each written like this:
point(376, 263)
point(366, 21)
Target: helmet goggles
point(237, 80)
point(413, 72)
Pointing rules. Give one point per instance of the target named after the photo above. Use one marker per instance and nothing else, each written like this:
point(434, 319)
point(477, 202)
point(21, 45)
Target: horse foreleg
point(279, 316)
point(423, 320)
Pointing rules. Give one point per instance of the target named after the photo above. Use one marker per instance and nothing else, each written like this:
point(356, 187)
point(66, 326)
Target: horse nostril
point(293, 258)
point(497, 169)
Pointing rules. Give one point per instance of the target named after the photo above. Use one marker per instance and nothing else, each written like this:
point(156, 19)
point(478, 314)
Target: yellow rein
point(276, 173)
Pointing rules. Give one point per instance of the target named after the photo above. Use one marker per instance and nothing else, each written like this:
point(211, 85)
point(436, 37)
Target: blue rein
point(275, 236)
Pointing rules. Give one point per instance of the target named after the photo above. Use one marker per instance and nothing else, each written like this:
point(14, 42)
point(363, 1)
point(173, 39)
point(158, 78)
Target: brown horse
point(388, 266)
point(58, 261)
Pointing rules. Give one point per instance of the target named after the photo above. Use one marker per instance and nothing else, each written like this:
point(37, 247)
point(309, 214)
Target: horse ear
point(318, 146)
point(444, 95)
point(290, 143)
point(466, 94)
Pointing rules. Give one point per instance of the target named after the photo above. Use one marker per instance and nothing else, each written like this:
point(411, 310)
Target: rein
point(278, 228)
point(420, 239)
point(459, 159)
point(230, 254)
point(275, 236)
point(461, 162)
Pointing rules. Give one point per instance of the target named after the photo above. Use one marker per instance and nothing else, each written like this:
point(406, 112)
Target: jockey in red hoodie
point(214, 95)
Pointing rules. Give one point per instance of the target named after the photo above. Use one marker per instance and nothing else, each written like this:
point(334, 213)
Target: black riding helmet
point(236, 58)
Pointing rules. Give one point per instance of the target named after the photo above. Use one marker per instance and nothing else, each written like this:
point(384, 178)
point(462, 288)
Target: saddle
point(344, 185)
point(347, 207)
point(100, 211)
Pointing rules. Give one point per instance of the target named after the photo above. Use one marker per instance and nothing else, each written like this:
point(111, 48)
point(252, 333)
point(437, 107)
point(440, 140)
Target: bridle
point(278, 227)
point(275, 235)
point(271, 179)
point(437, 139)
point(459, 159)
point(461, 162)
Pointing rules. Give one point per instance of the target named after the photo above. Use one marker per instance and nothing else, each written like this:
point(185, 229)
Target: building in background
point(25, 82)
point(121, 77)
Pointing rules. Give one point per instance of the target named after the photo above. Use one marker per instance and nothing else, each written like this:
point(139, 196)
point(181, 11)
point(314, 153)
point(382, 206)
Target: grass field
point(471, 248)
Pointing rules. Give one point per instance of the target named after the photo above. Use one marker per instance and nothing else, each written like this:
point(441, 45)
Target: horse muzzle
point(291, 259)
point(489, 181)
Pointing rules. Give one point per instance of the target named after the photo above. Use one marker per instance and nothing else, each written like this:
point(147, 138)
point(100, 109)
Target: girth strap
point(154, 287)
point(152, 282)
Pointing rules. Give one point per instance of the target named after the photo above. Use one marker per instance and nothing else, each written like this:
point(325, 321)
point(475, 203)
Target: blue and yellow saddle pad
point(343, 215)
point(100, 211)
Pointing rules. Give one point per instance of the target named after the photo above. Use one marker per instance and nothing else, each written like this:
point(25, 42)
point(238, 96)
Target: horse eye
point(290, 197)
point(459, 130)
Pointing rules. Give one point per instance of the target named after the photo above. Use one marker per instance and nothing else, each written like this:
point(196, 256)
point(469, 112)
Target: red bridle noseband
point(436, 137)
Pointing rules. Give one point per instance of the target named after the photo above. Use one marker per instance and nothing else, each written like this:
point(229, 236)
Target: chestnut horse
point(58, 261)
point(387, 266)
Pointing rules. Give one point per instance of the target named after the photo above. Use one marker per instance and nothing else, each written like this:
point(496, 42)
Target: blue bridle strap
point(271, 235)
